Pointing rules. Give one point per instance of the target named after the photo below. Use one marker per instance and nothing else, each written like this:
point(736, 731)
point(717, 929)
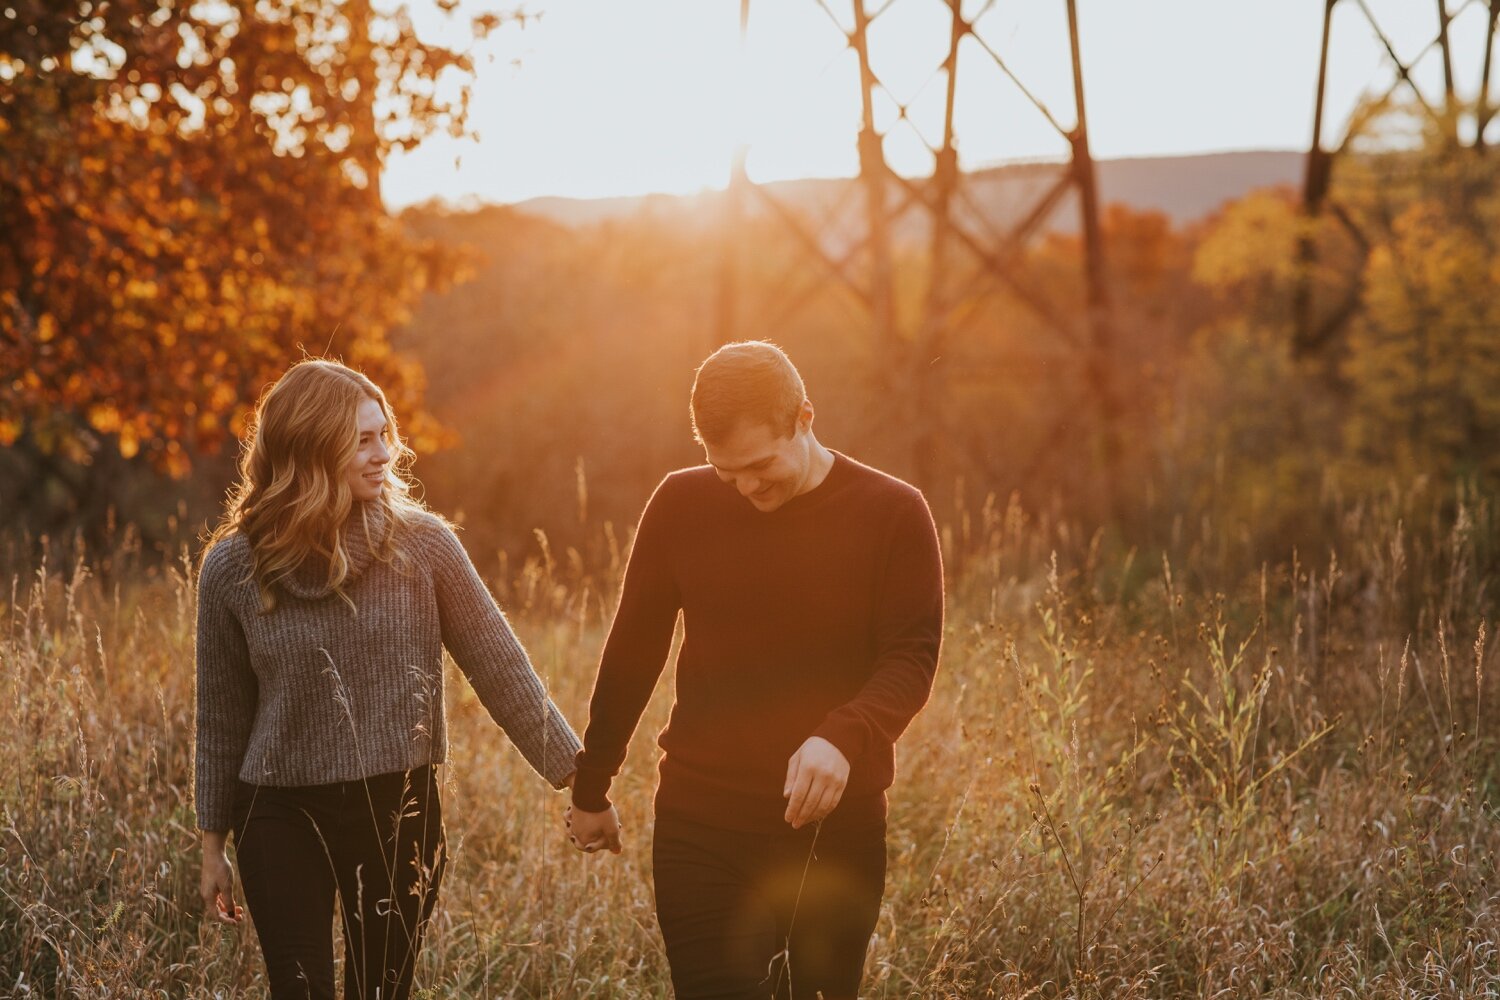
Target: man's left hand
point(815, 780)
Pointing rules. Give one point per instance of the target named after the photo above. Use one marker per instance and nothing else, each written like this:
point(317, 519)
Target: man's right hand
point(591, 831)
point(217, 884)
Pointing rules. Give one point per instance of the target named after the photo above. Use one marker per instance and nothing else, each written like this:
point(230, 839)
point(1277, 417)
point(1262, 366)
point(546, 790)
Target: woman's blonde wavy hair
point(292, 500)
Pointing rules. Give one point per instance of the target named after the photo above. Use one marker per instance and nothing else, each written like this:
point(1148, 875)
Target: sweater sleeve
point(634, 654)
point(227, 693)
point(485, 648)
point(908, 634)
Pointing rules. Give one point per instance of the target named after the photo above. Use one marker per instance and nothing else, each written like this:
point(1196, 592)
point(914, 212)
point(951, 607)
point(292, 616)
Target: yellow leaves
point(1386, 293)
point(138, 288)
point(1255, 240)
point(46, 327)
point(221, 397)
point(176, 461)
point(105, 418)
point(1447, 261)
point(130, 442)
point(1424, 361)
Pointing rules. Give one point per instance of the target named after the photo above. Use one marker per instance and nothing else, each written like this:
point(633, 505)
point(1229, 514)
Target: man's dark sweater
point(820, 618)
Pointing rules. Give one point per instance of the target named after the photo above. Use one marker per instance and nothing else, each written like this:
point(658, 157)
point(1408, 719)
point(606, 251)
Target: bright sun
point(600, 98)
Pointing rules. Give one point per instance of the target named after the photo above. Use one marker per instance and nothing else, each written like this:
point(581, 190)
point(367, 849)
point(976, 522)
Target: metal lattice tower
point(910, 360)
point(911, 364)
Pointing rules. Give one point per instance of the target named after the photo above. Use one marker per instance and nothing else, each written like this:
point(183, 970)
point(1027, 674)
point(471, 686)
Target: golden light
point(598, 98)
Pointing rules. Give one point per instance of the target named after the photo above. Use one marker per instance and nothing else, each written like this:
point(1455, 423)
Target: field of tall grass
point(1193, 769)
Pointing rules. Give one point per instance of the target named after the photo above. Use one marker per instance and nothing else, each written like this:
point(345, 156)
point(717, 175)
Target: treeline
point(564, 365)
point(189, 200)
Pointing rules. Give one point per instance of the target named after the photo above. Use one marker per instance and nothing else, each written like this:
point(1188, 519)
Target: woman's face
point(366, 474)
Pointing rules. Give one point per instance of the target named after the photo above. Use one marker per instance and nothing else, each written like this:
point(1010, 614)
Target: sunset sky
point(599, 97)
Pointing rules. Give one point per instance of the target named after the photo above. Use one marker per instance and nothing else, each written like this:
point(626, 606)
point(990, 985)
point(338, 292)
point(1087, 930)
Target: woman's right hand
point(217, 884)
point(589, 831)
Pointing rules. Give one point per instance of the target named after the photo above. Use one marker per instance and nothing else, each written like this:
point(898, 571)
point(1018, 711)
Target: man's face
point(767, 468)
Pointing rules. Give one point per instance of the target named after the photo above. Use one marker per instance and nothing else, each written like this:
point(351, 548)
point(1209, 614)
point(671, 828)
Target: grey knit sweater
point(315, 692)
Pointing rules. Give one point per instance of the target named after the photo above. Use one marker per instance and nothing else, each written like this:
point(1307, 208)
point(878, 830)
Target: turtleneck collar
point(310, 582)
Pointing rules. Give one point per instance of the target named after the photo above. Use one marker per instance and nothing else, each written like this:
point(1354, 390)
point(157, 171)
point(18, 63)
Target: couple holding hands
point(811, 592)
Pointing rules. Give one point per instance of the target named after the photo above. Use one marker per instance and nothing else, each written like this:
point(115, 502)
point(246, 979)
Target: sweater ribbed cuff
point(845, 733)
point(561, 757)
point(214, 804)
point(591, 789)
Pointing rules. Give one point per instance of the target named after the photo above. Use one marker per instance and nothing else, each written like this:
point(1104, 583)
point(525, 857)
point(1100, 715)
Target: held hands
point(217, 884)
point(815, 780)
point(589, 831)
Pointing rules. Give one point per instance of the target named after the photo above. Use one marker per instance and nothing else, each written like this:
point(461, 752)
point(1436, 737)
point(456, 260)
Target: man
point(811, 590)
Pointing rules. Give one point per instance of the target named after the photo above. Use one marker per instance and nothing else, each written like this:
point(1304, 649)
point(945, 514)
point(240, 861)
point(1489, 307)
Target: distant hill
point(1185, 188)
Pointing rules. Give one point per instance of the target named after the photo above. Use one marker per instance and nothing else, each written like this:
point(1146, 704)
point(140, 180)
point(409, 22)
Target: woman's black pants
point(748, 916)
point(376, 845)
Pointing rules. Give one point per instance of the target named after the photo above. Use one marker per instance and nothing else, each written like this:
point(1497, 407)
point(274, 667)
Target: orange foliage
point(190, 200)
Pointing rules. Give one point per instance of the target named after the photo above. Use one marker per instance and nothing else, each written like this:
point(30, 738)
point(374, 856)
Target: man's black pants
point(376, 844)
point(748, 915)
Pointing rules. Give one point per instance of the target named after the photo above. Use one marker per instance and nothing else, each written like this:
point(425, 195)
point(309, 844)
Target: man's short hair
point(748, 382)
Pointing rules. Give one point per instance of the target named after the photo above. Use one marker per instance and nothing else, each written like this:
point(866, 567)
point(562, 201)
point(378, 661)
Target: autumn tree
point(1407, 385)
point(1424, 354)
point(189, 200)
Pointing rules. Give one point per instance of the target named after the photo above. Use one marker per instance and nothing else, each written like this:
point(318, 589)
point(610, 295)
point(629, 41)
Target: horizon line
point(473, 201)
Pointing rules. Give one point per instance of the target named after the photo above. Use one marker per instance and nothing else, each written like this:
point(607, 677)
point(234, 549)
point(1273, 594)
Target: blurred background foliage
point(189, 196)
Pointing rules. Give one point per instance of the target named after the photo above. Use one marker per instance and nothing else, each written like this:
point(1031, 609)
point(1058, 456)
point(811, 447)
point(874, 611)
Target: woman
point(325, 599)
